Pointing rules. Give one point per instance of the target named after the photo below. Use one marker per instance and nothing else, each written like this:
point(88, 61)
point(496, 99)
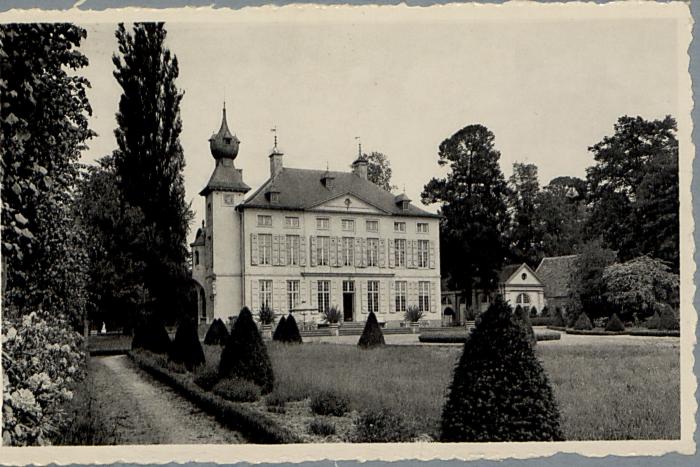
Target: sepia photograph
point(352, 233)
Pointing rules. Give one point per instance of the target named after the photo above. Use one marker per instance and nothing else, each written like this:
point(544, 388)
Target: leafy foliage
point(500, 391)
point(329, 403)
point(587, 286)
point(332, 315)
point(216, 334)
point(321, 427)
point(522, 319)
point(372, 335)
point(379, 170)
point(525, 233)
point(558, 318)
point(245, 355)
point(149, 160)
point(413, 314)
point(654, 321)
point(614, 324)
point(266, 315)
point(475, 217)
point(186, 348)
point(150, 334)
point(562, 213)
point(668, 321)
point(237, 390)
point(42, 363)
point(583, 322)
point(380, 426)
point(641, 285)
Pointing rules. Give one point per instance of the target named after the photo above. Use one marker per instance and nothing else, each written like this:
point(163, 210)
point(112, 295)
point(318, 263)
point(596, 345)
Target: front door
point(348, 300)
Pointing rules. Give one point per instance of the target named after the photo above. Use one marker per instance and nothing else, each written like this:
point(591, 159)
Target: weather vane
point(274, 131)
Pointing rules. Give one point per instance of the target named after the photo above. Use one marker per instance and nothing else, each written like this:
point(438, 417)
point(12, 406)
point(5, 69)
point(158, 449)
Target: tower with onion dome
point(216, 259)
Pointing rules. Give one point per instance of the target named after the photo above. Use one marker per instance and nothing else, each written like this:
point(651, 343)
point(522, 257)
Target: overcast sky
point(547, 89)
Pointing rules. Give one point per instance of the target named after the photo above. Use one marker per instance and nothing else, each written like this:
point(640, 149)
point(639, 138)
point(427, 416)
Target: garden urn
point(414, 327)
point(335, 329)
point(267, 331)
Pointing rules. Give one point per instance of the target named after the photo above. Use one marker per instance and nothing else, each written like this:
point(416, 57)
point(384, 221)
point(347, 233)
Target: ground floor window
point(424, 296)
point(523, 300)
point(292, 295)
point(266, 293)
point(400, 296)
point(373, 296)
point(324, 296)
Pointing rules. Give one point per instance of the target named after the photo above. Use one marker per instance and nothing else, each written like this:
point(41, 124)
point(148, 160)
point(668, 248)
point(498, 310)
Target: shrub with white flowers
point(42, 361)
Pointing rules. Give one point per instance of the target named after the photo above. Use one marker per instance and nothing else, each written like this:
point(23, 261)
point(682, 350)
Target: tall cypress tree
point(149, 161)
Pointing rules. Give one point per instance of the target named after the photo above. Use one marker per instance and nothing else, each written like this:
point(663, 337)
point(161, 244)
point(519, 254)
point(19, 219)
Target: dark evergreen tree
point(654, 321)
point(667, 319)
point(149, 160)
point(583, 322)
point(558, 318)
point(562, 213)
point(522, 318)
point(150, 334)
point(474, 211)
point(525, 232)
point(499, 391)
point(545, 312)
point(291, 331)
point(280, 330)
point(245, 355)
point(217, 333)
point(186, 348)
point(587, 288)
point(614, 324)
point(372, 335)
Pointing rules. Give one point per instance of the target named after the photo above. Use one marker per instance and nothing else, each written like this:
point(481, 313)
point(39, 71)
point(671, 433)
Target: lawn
point(604, 391)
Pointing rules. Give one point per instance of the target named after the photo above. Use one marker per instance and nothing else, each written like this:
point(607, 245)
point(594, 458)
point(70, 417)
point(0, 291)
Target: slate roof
point(554, 272)
point(301, 189)
point(510, 269)
point(198, 239)
point(225, 178)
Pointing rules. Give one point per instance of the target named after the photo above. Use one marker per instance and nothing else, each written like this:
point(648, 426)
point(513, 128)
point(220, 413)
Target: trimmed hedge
point(522, 318)
point(151, 335)
point(499, 391)
point(254, 425)
point(628, 332)
point(217, 333)
point(653, 321)
point(614, 324)
point(558, 318)
point(594, 332)
point(326, 402)
point(290, 333)
point(453, 338)
point(372, 335)
point(541, 321)
point(583, 322)
point(186, 348)
point(279, 330)
point(237, 390)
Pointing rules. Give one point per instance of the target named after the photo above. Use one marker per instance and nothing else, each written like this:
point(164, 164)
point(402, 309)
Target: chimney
point(359, 167)
point(275, 162)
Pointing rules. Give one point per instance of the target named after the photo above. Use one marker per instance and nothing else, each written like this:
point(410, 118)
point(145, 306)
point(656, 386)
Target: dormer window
point(227, 140)
point(404, 205)
point(274, 197)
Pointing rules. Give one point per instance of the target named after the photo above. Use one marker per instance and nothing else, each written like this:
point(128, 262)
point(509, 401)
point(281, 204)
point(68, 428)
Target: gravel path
point(145, 411)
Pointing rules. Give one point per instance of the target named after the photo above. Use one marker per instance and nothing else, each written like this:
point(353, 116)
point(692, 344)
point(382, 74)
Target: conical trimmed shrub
point(614, 324)
point(217, 333)
point(151, 335)
point(186, 348)
point(372, 335)
point(522, 318)
point(667, 319)
point(499, 390)
point(654, 321)
point(279, 330)
point(545, 312)
point(245, 355)
point(558, 318)
point(291, 331)
point(583, 322)
point(533, 312)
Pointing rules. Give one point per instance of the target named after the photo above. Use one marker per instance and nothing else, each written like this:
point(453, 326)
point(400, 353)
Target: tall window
point(266, 293)
point(523, 300)
point(348, 225)
point(292, 250)
point(400, 295)
point(372, 252)
point(323, 223)
point(323, 250)
point(422, 227)
point(324, 296)
point(265, 248)
point(399, 252)
point(292, 294)
point(373, 296)
point(399, 226)
point(348, 251)
point(264, 221)
point(291, 222)
point(424, 296)
point(422, 253)
point(372, 226)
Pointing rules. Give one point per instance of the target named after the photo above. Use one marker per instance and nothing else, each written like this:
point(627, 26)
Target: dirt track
point(145, 411)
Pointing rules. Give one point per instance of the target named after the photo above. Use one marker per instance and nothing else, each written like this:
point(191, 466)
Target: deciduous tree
point(587, 288)
point(525, 233)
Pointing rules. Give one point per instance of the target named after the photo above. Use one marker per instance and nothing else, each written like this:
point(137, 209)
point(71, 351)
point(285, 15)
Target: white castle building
point(307, 240)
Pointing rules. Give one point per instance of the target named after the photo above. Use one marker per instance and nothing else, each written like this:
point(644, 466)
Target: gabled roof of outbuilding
point(302, 189)
point(554, 272)
point(507, 272)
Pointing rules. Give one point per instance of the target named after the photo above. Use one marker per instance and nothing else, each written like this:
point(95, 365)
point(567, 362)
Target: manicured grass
point(604, 391)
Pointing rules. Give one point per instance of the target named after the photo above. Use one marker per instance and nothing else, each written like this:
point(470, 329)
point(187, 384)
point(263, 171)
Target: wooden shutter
point(412, 298)
point(391, 252)
point(431, 254)
point(304, 300)
point(275, 250)
point(363, 295)
point(357, 254)
point(363, 253)
point(434, 304)
point(339, 252)
point(313, 294)
point(382, 253)
point(254, 295)
point(302, 251)
point(334, 256)
point(313, 250)
point(411, 253)
point(253, 249)
point(333, 299)
point(392, 296)
point(383, 297)
point(284, 260)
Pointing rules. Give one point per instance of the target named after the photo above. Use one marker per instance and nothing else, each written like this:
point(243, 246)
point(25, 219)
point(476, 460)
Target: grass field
point(605, 392)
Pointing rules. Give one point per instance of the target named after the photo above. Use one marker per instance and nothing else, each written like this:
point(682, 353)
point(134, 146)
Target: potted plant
point(267, 317)
point(332, 316)
point(413, 315)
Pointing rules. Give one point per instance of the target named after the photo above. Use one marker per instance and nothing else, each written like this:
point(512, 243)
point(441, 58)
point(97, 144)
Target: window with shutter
point(382, 253)
point(302, 251)
point(363, 296)
point(313, 250)
point(254, 295)
point(391, 253)
point(284, 243)
point(431, 254)
point(253, 249)
point(434, 298)
point(276, 250)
